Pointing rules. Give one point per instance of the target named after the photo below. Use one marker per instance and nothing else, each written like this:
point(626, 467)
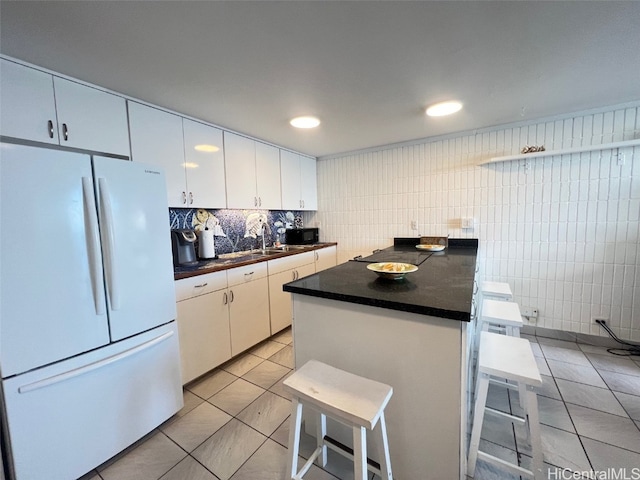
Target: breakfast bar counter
point(413, 334)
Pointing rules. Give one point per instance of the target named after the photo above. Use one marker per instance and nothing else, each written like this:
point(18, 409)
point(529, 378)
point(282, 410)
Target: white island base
point(422, 357)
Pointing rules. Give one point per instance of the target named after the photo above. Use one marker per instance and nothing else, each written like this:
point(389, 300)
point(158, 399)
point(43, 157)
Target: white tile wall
point(563, 231)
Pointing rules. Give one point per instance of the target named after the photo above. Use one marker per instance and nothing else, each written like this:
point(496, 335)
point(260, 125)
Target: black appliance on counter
point(183, 247)
point(301, 236)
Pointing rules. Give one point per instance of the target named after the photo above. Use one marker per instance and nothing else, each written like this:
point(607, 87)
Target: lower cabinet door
point(205, 339)
point(249, 314)
point(279, 300)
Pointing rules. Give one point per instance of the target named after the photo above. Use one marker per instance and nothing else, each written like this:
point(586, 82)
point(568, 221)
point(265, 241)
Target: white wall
point(564, 232)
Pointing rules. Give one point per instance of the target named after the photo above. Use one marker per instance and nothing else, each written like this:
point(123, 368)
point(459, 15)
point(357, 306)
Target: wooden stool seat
point(509, 358)
point(353, 401)
point(496, 290)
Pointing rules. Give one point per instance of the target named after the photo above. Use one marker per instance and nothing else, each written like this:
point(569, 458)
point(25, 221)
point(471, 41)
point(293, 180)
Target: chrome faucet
point(261, 233)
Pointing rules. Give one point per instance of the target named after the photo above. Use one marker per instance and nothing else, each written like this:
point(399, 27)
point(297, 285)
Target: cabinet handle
point(231, 296)
point(255, 201)
point(184, 197)
point(190, 198)
point(293, 275)
point(317, 257)
point(248, 274)
point(259, 201)
point(65, 132)
point(225, 298)
point(50, 127)
point(201, 285)
point(302, 203)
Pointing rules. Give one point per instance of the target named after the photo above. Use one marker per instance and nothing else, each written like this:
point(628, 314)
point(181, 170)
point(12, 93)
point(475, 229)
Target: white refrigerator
point(89, 354)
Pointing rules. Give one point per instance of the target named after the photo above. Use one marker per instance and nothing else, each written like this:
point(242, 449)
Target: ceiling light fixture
point(444, 108)
point(305, 122)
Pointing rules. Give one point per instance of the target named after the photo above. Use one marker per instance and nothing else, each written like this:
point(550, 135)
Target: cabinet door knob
point(50, 128)
point(65, 132)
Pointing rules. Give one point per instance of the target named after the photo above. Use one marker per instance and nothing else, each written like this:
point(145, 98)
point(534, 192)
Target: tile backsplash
point(562, 230)
point(236, 230)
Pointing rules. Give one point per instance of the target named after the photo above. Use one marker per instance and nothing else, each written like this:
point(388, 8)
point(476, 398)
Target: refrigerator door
point(52, 304)
point(136, 244)
point(67, 418)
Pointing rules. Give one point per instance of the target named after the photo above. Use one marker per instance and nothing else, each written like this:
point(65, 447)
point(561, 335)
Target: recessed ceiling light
point(443, 108)
point(206, 148)
point(305, 122)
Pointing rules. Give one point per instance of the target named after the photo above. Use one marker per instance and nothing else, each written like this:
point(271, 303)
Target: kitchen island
point(413, 334)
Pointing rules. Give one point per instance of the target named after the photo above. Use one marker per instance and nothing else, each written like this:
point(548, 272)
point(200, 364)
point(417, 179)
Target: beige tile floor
point(234, 424)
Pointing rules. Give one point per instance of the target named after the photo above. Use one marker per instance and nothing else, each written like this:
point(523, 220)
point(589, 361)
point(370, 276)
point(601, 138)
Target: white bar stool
point(352, 400)
point(496, 291)
point(501, 314)
point(511, 358)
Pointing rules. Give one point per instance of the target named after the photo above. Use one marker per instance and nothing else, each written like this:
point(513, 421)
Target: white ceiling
point(367, 69)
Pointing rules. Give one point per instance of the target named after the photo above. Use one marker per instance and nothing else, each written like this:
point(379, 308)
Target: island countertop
point(442, 287)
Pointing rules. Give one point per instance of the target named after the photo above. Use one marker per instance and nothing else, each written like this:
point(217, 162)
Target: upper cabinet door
point(28, 106)
point(240, 167)
point(308, 183)
point(204, 164)
point(268, 176)
point(290, 180)
point(91, 119)
point(156, 138)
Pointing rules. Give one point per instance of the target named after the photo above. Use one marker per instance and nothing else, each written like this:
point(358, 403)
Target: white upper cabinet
point(268, 176)
point(91, 119)
point(28, 105)
point(156, 138)
point(252, 173)
point(298, 178)
point(75, 115)
point(240, 167)
point(308, 183)
point(204, 165)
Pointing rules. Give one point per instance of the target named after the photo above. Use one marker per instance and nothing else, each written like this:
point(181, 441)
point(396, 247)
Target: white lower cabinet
point(222, 314)
point(248, 306)
point(203, 323)
point(281, 271)
point(326, 258)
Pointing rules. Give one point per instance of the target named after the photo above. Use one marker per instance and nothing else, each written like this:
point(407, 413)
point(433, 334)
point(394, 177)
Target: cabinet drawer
point(240, 275)
point(278, 265)
point(199, 285)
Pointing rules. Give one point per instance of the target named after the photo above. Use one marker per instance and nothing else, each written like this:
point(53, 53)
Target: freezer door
point(136, 244)
point(65, 419)
point(52, 293)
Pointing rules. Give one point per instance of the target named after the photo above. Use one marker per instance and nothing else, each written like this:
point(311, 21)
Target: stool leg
point(295, 423)
point(360, 453)
point(321, 431)
point(385, 458)
point(534, 429)
point(478, 417)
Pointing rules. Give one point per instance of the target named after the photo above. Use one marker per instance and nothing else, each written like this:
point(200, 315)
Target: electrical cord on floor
point(627, 352)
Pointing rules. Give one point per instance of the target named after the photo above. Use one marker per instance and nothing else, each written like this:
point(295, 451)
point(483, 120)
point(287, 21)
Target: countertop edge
point(242, 263)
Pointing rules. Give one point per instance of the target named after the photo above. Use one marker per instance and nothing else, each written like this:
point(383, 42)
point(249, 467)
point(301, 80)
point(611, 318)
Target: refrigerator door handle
point(61, 377)
point(93, 242)
point(109, 242)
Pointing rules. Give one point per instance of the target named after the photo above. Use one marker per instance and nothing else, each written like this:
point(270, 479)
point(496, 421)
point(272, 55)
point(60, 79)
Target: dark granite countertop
point(442, 286)
point(240, 259)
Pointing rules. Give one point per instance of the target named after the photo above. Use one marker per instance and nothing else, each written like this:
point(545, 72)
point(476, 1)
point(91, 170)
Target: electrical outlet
point(529, 312)
point(414, 225)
